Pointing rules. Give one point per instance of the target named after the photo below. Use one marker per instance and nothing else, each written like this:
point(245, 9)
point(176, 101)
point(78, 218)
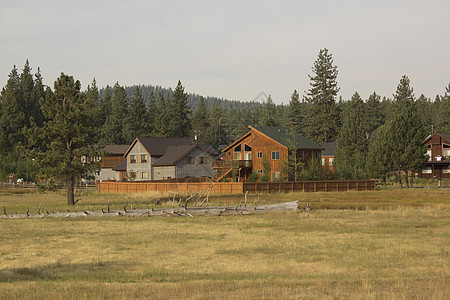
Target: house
point(265, 143)
point(166, 158)
point(328, 154)
point(111, 156)
point(438, 150)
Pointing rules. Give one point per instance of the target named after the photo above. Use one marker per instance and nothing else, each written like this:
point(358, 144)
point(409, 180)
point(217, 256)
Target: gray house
point(166, 158)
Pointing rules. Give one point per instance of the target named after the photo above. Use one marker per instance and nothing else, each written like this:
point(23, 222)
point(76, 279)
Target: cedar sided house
point(438, 150)
point(167, 158)
point(264, 143)
point(328, 154)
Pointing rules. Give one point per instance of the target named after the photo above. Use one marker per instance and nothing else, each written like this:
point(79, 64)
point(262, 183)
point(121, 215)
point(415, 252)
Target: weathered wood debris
point(180, 211)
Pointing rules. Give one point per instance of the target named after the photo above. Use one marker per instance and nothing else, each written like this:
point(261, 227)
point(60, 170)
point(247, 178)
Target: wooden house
point(438, 151)
point(264, 143)
point(328, 154)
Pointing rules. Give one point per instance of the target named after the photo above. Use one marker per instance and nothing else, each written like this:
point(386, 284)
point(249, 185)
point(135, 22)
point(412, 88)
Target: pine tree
point(296, 113)
point(269, 113)
point(215, 134)
point(443, 112)
point(138, 119)
point(406, 133)
point(179, 113)
point(351, 144)
point(374, 114)
point(116, 129)
point(13, 118)
point(322, 118)
point(162, 118)
point(57, 146)
point(92, 100)
point(200, 120)
point(379, 159)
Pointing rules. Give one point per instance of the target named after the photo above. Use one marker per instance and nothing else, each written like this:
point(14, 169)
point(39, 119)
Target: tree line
point(377, 136)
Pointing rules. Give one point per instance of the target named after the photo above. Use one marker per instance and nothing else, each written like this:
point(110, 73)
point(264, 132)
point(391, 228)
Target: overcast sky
point(231, 49)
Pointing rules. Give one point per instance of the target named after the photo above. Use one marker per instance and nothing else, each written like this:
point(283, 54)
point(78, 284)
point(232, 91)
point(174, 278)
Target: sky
point(231, 49)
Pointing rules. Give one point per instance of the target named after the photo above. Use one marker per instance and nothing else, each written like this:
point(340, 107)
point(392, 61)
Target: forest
point(377, 137)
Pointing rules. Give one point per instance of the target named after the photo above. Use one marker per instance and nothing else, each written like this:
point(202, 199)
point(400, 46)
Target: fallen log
point(169, 212)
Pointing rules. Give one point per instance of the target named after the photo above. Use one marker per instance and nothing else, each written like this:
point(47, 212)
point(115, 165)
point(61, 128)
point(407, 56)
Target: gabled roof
point(158, 146)
point(328, 148)
point(115, 149)
point(446, 136)
point(281, 135)
point(284, 136)
point(176, 153)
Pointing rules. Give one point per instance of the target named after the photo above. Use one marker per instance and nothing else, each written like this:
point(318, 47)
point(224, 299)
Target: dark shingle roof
point(115, 149)
point(445, 136)
point(158, 146)
point(328, 148)
point(283, 136)
point(173, 153)
point(122, 166)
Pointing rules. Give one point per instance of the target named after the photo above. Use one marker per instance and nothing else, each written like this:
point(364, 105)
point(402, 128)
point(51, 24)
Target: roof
point(175, 153)
point(328, 148)
point(446, 136)
point(210, 149)
point(122, 166)
point(115, 149)
point(158, 146)
point(284, 136)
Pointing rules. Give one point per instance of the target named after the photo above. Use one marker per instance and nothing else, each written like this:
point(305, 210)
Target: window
point(144, 175)
point(237, 156)
point(427, 170)
point(259, 154)
point(275, 155)
point(143, 158)
point(429, 154)
point(132, 159)
point(189, 160)
point(317, 154)
point(83, 159)
point(330, 161)
point(202, 160)
point(446, 170)
point(247, 148)
point(302, 155)
point(323, 161)
point(248, 156)
point(260, 171)
point(237, 148)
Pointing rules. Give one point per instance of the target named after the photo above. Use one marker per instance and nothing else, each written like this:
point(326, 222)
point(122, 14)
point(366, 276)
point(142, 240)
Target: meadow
point(389, 243)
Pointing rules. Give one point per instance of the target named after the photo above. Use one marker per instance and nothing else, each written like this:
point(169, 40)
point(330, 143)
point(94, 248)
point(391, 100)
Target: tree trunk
point(412, 180)
point(400, 179)
point(70, 192)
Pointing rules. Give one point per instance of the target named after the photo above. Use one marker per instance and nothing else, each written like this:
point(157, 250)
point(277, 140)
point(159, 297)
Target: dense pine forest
point(42, 126)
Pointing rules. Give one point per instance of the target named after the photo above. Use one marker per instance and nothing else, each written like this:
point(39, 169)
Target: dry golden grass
point(400, 251)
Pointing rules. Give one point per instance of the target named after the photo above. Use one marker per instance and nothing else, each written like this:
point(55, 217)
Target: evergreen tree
point(151, 113)
point(92, 100)
point(379, 159)
point(215, 134)
point(406, 133)
point(162, 118)
point(269, 113)
point(443, 113)
point(296, 113)
point(57, 146)
point(374, 114)
point(179, 113)
point(425, 108)
point(116, 129)
point(322, 115)
point(351, 144)
point(138, 119)
point(200, 120)
point(13, 117)
point(105, 105)
point(38, 94)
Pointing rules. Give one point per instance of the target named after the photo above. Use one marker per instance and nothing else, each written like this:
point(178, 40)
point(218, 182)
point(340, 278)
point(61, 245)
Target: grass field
point(383, 244)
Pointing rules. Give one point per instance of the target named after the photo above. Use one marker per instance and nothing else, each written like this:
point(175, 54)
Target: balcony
point(241, 164)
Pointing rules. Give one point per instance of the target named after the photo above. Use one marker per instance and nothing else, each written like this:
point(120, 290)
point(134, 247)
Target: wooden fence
point(238, 187)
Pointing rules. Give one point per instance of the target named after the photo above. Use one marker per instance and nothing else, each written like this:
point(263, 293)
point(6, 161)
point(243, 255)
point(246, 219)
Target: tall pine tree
point(179, 113)
point(322, 118)
point(351, 144)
